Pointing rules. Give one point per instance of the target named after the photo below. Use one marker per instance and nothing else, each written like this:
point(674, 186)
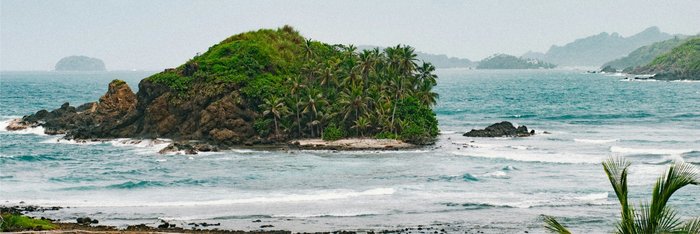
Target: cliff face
point(151, 113)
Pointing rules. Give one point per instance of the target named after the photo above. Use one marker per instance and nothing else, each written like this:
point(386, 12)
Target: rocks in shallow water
point(87, 221)
point(16, 125)
point(188, 148)
point(502, 129)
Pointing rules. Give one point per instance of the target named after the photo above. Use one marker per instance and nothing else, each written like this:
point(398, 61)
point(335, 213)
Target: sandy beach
point(352, 144)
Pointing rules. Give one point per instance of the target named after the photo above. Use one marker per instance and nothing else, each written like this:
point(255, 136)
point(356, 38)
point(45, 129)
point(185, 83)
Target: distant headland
point(80, 63)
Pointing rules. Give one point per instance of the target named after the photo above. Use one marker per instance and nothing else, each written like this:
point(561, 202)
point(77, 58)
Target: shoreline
point(195, 146)
point(88, 225)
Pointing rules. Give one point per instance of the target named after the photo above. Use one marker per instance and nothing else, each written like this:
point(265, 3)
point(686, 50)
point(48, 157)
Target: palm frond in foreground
point(655, 217)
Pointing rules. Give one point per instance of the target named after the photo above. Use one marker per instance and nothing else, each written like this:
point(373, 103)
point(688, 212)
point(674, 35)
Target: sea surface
point(501, 185)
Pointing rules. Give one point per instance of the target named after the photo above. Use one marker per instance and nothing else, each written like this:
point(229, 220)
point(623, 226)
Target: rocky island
point(80, 63)
point(259, 88)
point(504, 61)
point(502, 129)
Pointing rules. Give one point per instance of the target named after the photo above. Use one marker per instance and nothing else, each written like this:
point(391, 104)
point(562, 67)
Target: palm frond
point(554, 226)
point(676, 177)
point(691, 226)
point(616, 169)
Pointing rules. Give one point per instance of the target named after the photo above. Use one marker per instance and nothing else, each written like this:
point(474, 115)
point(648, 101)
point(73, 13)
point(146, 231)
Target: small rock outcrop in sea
point(188, 148)
point(502, 129)
point(80, 63)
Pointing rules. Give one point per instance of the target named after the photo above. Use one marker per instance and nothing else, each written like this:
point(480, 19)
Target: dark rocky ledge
point(502, 129)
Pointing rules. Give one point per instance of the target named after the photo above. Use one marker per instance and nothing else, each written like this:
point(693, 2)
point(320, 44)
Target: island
point(504, 61)
point(265, 87)
point(80, 63)
point(681, 63)
point(645, 54)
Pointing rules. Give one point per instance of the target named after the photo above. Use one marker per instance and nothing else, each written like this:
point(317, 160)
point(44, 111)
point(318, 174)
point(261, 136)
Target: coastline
point(352, 144)
point(88, 225)
point(193, 146)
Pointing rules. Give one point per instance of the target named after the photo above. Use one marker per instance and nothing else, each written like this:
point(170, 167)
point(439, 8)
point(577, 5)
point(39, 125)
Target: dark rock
point(164, 225)
point(502, 129)
point(84, 220)
point(188, 148)
point(267, 226)
point(257, 221)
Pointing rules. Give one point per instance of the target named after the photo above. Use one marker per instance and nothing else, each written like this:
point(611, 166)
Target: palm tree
point(367, 64)
point(425, 95)
point(361, 124)
point(354, 102)
point(314, 100)
point(296, 84)
point(308, 49)
point(274, 106)
point(655, 217)
point(425, 74)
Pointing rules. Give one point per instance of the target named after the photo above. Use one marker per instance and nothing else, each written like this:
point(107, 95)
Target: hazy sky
point(152, 35)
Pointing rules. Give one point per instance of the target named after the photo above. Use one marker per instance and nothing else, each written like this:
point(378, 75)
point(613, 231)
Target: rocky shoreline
point(195, 146)
point(90, 225)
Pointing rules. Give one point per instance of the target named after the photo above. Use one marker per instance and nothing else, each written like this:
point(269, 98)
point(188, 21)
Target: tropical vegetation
point(645, 54)
point(681, 63)
point(653, 217)
point(17, 222)
point(304, 88)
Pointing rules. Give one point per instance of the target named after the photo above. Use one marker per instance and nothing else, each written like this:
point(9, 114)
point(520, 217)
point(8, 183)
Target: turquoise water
point(494, 185)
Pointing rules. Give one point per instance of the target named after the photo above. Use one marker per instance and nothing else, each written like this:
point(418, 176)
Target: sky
point(157, 34)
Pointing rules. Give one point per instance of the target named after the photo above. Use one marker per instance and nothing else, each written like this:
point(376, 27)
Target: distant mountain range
point(598, 49)
point(438, 60)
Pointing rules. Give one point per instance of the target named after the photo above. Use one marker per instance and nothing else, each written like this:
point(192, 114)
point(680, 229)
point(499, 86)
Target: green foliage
point(333, 133)
point(683, 62)
point(117, 82)
point(653, 217)
point(16, 222)
point(172, 80)
point(318, 84)
point(420, 124)
point(262, 87)
point(263, 126)
point(504, 61)
point(645, 54)
point(386, 135)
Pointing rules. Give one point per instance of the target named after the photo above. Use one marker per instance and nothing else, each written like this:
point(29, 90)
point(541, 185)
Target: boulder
point(502, 129)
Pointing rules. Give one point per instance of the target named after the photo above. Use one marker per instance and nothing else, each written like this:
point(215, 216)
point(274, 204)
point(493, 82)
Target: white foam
point(629, 151)
point(596, 141)
point(497, 174)
point(35, 130)
point(269, 198)
point(531, 155)
point(593, 197)
point(61, 140)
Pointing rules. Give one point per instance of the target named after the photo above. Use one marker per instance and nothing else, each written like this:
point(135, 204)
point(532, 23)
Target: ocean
point(499, 185)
